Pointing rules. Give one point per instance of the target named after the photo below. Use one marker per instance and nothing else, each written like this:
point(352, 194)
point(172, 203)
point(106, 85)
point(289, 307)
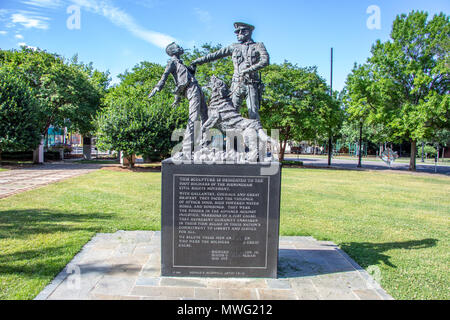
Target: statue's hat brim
point(241, 26)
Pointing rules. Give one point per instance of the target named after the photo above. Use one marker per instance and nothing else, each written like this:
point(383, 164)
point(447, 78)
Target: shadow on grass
point(41, 262)
point(367, 253)
point(297, 263)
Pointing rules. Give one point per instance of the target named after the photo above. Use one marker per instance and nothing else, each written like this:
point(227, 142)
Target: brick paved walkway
point(126, 265)
point(24, 179)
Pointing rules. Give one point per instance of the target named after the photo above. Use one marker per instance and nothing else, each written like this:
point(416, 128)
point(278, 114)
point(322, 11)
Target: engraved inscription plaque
point(220, 220)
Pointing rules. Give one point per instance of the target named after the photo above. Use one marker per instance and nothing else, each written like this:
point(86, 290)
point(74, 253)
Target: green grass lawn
point(398, 222)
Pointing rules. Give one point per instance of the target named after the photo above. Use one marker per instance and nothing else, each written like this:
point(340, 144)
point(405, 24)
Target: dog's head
point(219, 89)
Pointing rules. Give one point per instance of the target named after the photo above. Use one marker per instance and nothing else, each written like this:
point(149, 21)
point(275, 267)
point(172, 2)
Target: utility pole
point(423, 151)
point(330, 142)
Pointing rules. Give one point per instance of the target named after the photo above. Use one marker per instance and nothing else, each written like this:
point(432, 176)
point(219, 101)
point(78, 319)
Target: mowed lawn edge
point(395, 223)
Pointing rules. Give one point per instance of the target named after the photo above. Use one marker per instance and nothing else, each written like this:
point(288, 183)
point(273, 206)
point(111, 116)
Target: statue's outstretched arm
point(222, 53)
point(164, 77)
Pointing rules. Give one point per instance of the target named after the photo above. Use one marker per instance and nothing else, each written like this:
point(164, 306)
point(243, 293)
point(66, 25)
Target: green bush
point(18, 156)
point(135, 125)
point(429, 152)
point(19, 117)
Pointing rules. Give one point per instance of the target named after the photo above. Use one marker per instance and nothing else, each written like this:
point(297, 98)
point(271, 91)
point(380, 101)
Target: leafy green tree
point(408, 78)
point(296, 102)
point(430, 151)
point(360, 106)
point(222, 68)
point(19, 123)
point(69, 94)
point(330, 119)
point(133, 124)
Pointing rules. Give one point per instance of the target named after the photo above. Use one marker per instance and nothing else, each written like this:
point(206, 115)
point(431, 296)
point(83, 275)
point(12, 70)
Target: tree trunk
point(130, 161)
point(47, 125)
point(314, 150)
point(87, 148)
point(360, 145)
point(412, 160)
point(330, 150)
point(282, 149)
point(0, 158)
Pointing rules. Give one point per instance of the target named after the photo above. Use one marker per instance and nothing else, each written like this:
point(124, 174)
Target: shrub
point(19, 117)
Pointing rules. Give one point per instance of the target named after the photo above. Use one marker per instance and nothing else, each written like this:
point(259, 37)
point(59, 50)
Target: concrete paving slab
point(121, 266)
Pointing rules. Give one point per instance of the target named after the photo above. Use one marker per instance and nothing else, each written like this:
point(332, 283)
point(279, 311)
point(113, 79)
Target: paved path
point(371, 165)
point(27, 178)
point(127, 265)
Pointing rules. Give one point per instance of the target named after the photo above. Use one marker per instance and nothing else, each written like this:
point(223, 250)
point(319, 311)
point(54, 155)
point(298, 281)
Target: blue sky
point(115, 35)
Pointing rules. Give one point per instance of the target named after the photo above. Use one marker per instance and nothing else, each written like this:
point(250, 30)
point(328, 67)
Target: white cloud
point(124, 20)
point(203, 15)
point(3, 14)
point(29, 20)
point(19, 36)
point(23, 44)
point(50, 4)
point(148, 3)
point(3, 33)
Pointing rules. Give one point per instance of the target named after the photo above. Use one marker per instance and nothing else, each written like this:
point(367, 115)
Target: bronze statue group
point(223, 111)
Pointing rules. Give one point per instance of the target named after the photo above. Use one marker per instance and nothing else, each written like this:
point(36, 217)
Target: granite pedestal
point(220, 220)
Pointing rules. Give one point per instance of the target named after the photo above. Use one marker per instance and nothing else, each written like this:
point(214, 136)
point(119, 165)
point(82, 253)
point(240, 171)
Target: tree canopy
point(69, 93)
point(133, 124)
point(404, 84)
point(296, 101)
point(19, 129)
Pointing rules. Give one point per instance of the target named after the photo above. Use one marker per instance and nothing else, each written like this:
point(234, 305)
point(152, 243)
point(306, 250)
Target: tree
point(133, 124)
point(296, 102)
point(19, 125)
point(330, 120)
point(362, 103)
point(409, 79)
point(222, 68)
point(69, 94)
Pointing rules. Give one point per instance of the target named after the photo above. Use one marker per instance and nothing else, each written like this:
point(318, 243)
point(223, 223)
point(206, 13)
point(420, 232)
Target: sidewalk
point(28, 178)
point(368, 165)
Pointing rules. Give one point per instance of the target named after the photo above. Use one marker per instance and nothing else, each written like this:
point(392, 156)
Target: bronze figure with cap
point(249, 58)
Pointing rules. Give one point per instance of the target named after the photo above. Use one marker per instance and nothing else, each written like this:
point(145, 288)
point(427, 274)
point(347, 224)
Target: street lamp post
point(360, 145)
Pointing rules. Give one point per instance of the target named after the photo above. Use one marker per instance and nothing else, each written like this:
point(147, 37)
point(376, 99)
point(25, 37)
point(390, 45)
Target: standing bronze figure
point(248, 58)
